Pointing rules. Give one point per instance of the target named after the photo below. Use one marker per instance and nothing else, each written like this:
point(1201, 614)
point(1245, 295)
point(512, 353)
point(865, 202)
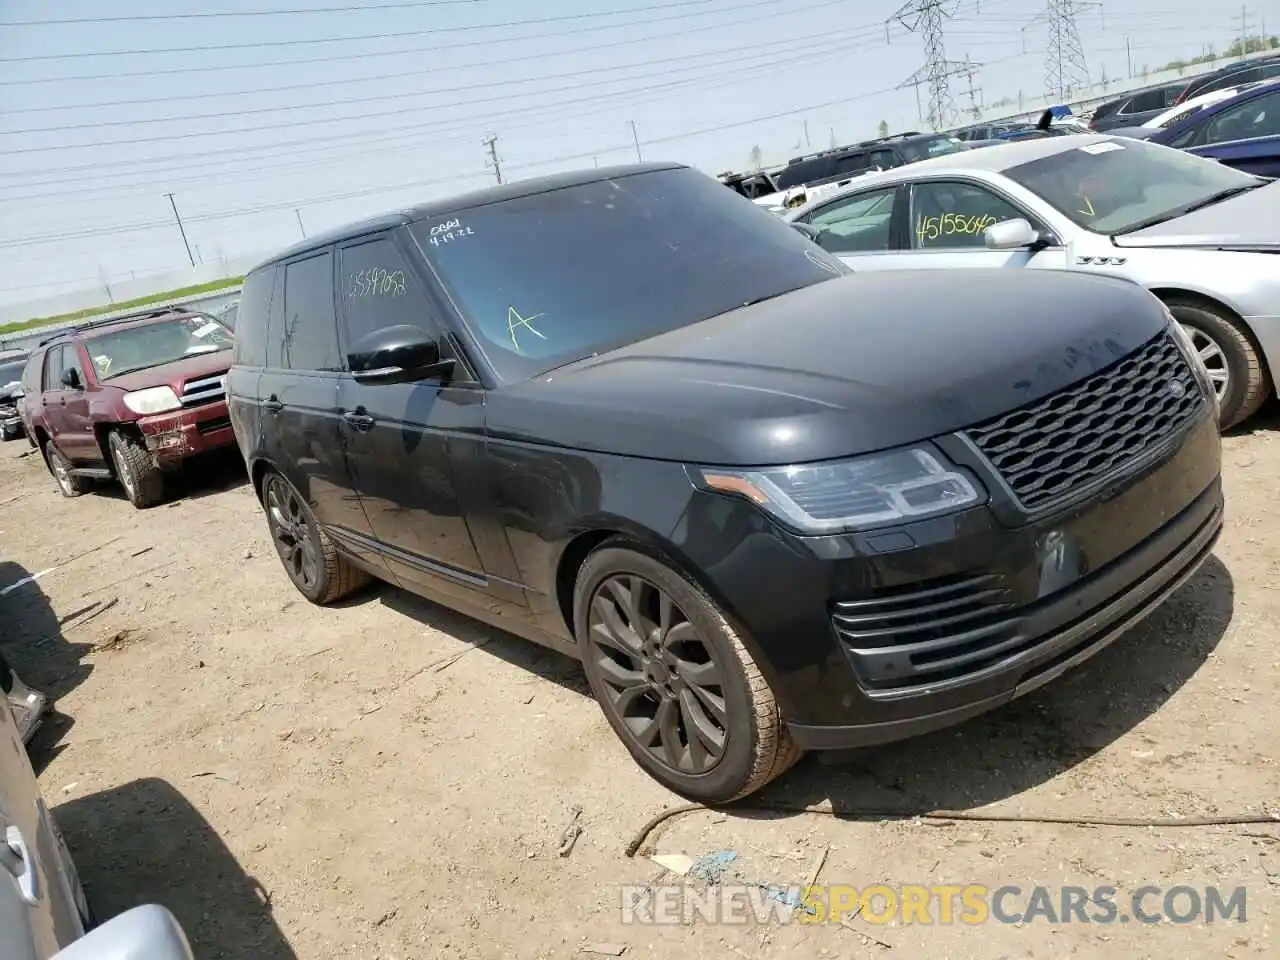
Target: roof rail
point(118, 318)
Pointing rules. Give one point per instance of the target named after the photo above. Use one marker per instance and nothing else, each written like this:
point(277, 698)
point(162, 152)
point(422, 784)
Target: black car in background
point(771, 505)
point(884, 153)
point(1133, 110)
point(11, 390)
point(1232, 75)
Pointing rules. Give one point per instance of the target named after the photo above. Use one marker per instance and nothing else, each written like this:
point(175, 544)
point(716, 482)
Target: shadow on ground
point(1034, 739)
point(202, 476)
point(143, 842)
point(536, 659)
point(33, 642)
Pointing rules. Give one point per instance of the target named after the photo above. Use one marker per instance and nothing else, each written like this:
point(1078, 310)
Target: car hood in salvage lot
point(845, 366)
point(173, 374)
point(1249, 221)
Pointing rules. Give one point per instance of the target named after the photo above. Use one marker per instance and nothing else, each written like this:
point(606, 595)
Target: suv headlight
point(152, 400)
point(1201, 372)
point(869, 491)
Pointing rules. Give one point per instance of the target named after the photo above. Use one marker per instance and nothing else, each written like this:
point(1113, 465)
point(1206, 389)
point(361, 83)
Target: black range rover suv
point(771, 506)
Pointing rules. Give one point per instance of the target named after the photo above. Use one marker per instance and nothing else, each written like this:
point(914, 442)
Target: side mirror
point(807, 230)
point(399, 354)
point(71, 378)
point(149, 931)
point(1012, 235)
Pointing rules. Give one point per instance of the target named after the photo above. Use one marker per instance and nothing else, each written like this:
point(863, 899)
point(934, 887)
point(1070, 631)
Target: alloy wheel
point(1214, 359)
point(292, 533)
point(61, 472)
point(661, 679)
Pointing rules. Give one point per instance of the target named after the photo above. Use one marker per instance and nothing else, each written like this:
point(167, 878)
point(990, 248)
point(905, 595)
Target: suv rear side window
point(53, 368)
point(806, 171)
point(378, 291)
point(251, 318)
point(310, 331)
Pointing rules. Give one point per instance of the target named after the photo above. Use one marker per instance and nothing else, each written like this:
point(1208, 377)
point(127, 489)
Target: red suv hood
point(175, 374)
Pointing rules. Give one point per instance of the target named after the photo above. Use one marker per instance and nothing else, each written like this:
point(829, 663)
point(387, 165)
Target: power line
point(363, 115)
point(193, 68)
point(422, 32)
point(63, 236)
point(404, 95)
point(208, 15)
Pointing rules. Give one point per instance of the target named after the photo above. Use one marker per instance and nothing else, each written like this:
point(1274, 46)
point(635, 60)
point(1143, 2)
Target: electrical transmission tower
point(1065, 70)
point(491, 141)
point(927, 17)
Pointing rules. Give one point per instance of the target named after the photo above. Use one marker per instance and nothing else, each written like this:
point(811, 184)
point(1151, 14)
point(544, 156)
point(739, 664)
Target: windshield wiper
point(1190, 208)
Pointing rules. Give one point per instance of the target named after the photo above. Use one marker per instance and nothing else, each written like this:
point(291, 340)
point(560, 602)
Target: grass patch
point(37, 322)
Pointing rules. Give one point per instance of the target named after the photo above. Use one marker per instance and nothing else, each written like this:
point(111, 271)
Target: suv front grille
point(1050, 449)
point(196, 393)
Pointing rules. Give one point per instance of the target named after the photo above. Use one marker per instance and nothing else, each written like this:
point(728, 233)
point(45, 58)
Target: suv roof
point(893, 138)
point(127, 319)
point(455, 202)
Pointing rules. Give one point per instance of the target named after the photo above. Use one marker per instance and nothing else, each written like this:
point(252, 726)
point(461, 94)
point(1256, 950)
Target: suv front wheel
point(136, 470)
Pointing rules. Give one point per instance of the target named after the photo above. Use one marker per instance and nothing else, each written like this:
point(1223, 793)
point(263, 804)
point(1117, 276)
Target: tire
point(137, 471)
point(1229, 354)
point(318, 571)
point(8, 433)
point(60, 467)
point(754, 745)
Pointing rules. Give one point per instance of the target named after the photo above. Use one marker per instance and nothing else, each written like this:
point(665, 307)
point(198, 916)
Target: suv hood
point(175, 374)
point(849, 365)
point(1244, 222)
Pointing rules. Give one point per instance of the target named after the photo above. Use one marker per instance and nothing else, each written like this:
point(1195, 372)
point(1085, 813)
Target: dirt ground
point(386, 779)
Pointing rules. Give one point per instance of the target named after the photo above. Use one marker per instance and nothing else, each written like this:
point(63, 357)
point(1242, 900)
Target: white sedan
point(1201, 236)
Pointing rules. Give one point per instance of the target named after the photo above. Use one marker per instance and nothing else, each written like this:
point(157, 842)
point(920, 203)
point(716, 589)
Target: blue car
point(1242, 132)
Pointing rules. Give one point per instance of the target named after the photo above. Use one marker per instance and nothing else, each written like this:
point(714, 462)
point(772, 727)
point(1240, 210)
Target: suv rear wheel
point(136, 470)
point(674, 679)
point(313, 563)
point(68, 484)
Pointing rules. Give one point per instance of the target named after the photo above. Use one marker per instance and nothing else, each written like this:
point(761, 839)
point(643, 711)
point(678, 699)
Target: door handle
point(358, 420)
point(18, 859)
point(272, 404)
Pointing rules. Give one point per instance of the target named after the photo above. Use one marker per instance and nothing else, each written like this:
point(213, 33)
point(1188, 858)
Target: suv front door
point(416, 450)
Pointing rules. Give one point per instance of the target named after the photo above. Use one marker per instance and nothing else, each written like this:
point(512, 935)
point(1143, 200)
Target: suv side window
point(310, 330)
point(852, 163)
point(71, 361)
point(1260, 117)
point(53, 368)
point(884, 159)
point(947, 215)
point(856, 224)
point(251, 318)
point(378, 290)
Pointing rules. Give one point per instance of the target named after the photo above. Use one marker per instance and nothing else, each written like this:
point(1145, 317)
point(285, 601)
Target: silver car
point(1201, 236)
point(43, 913)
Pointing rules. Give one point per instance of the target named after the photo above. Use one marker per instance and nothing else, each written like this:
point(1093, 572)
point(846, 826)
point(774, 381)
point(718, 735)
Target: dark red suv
point(129, 398)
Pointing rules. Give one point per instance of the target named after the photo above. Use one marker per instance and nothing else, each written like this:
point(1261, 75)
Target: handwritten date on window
point(448, 232)
point(375, 282)
point(951, 225)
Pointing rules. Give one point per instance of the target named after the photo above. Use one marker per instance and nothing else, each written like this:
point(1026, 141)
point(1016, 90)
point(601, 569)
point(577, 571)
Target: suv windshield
point(155, 344)
point(922, 148)
point(1113, 187)
point(547, 279)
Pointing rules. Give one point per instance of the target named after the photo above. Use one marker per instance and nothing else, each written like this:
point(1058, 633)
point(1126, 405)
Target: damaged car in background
point(11, 364)
point(130, 399)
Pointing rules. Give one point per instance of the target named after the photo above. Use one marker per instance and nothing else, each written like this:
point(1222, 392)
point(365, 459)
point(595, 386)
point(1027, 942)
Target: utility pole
point(491, 141)
point(636, 138)
point(1245, 24)
point(1128, 53)
point(181, 229)
point(298, 213)
point(807, 142)
point(927, 17)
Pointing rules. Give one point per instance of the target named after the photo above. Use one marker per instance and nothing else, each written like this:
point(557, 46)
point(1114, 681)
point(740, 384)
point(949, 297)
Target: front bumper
point(875, 637)
point(172, 437)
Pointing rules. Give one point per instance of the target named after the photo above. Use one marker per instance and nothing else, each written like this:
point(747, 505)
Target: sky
point(269, 118)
